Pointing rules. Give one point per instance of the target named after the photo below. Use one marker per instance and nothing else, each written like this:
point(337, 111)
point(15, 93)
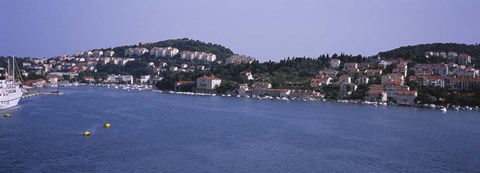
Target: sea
point(159, 132)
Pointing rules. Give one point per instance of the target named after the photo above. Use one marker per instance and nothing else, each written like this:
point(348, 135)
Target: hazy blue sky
point(272, 29)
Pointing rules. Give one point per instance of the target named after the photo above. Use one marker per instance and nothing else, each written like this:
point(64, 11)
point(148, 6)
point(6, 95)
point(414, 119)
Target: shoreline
point(129, 87)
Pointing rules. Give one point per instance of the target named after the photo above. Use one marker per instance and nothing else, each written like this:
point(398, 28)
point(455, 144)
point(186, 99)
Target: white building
point(164, 51)
point(144, 79)
point(138, 51)
point(240, 59)
point(120, 79)
point(198, 55)
point(208, 82)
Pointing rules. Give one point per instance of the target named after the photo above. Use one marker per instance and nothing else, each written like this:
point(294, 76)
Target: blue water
point(178, 133)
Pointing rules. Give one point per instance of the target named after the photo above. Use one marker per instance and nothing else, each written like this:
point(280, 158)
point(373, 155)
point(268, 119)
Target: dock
point(36, 93)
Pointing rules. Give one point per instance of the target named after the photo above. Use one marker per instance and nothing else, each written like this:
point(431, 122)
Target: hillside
point(184, 44)
point(410, 52)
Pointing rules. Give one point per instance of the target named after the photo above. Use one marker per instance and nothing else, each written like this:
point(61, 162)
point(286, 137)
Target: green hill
point(184, 44)
point(416, 51)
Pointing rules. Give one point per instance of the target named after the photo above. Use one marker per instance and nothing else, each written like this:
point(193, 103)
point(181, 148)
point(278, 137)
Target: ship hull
point(10, 101)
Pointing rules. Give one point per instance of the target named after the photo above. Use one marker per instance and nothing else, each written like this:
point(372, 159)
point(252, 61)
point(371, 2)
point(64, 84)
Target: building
point(346, 89)
point(349, 65)
point(89, 79)
point(249, 75)
point(464, 59)
point(335, 63)
point(437, 81)
point(109, 53)
point(468, 72)
point(352, 71)
point(198, 56)
point(376, 96)
point(262, 85)
point(329, 72)
point(243, 90)
point(144, 79)
point(119, 79)
point(345, 79)
point(362, 80)
point(320, 81)
point(97, 53)
point(393, 78)
point(390, 88)
point(440, 69)
point(465, 84)
point(138, 51)
point(373, 72)
point(240, 59)
point(271, 92)
point(164, 51)
point(363, 66)
point(208, 82)
point(54, 78)
point(405, 97)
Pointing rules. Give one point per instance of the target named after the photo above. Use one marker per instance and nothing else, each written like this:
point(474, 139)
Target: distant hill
point(184, 44)
point(409, 52)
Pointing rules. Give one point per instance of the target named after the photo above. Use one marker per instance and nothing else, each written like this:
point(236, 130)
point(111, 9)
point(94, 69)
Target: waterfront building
point(119, 79)
point(207, 84)
point(346, 89)
point(144, 79)
point(243, 90)
point(405, 97)
point(376, 96)
point(262, 85)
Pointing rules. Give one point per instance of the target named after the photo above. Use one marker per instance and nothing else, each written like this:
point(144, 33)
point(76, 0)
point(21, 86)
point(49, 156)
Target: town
point(376, 80)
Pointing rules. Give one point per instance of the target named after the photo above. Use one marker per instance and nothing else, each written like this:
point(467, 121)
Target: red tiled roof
point(375, 91)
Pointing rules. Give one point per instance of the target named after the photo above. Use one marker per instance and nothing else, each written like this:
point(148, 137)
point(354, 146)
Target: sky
point(264, 29)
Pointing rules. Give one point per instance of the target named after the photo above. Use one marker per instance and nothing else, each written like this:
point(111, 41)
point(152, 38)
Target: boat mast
point(13, 68)
point(8, 69)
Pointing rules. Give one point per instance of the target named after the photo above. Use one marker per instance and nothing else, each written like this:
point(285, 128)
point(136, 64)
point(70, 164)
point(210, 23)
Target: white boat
point(10, 90)
point(444, 110)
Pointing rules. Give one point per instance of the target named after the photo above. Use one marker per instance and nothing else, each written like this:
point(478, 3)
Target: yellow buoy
point(106, 125)
point(86, 133)
point(7, 115)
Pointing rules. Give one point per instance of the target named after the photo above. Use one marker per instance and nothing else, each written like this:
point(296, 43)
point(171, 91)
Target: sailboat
point(10, 89)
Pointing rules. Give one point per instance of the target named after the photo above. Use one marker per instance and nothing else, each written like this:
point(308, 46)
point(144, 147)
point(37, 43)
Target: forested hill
point(184, 44)
point(410, 52)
